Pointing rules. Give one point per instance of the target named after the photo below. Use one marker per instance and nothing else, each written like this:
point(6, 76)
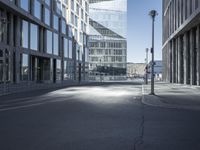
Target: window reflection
point(65, 48)
point(37, 9)
point(47, 16)
point(47, 2)
point(34, 37)
point(24, 67)
point(70, 49)
point(49, 42)
point(24, 34)
point(55, 22)
point(63, 27)
point(55, 44)
point(24, 4)
point(58, 69)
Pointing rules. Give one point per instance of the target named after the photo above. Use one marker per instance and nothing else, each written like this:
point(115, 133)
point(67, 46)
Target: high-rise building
point(43, 40)
point(107, 39)
point(181, 41)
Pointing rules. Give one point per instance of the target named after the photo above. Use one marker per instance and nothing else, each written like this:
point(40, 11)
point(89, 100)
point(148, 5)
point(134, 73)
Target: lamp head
point(153, 13)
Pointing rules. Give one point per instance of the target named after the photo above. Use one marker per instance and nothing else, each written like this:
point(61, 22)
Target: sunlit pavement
point(108, 116)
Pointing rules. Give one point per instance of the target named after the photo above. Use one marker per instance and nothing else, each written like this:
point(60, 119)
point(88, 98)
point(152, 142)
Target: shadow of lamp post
point(146, 68)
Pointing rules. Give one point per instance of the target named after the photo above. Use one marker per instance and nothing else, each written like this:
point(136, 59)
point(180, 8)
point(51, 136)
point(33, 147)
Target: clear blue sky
point(140, 29)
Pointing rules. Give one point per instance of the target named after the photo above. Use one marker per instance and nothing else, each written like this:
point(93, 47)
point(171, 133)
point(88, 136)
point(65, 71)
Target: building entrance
point(40, 69)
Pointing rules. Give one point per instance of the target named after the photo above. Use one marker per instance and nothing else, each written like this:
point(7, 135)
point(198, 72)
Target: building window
point(72, 4)
point(58, 7)
point(58, 70)
point(47, 16)
point(48, 2)
point(86, 18)
point(24, 4)
point(64, 12)
point(72, 18)
point(49, 43)
point(65, 48)
point(66, 2)
point(65, 71)
point(82, 14)
point(1, 71)
point(81, 38)
point(76, 21)
point(70, 49)
point(37, 9)
point(2, 30)
point(75, 34)
point(77, 9)
point(34, 37)
point(55, 44)
point(24, 67)
point(7, 68)
point(55, 22)
point(63, 27)
point(70, 32)
point(196, 4)
point(24, 34)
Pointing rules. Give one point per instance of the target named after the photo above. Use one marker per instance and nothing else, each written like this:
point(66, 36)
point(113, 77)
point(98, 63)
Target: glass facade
point(70, 49)
point(1, 71)
point(43, 50)
point(48, 2)
point(55, 22)
point(49, 42)
point(58, 70)
point(111, 14)
point(55, 44)
point(24, 34)
point(24, 67)
point(37, 9)
point(65, 48)
point(24, 4)
point(34, 37)
point(107, 40)
point(47, 16)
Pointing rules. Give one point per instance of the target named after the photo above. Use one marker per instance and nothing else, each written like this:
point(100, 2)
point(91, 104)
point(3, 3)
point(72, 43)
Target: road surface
point(109, 116)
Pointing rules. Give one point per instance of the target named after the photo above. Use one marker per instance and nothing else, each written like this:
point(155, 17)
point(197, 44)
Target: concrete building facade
point(181, 41)
point(43, 41)
point(107, 40)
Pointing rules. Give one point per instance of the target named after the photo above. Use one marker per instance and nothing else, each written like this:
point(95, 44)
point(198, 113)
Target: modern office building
point(43, 41)
point(107, 40)
point(135, 70)
point(181, 41)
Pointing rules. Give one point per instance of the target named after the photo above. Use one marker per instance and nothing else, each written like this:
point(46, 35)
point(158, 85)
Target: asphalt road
point(102, 117)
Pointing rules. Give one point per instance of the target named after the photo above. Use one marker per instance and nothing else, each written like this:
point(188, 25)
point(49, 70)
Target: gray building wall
point(181, 41)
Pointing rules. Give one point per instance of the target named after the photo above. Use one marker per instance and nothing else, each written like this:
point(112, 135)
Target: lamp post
point(153, 14)
point(146, 69)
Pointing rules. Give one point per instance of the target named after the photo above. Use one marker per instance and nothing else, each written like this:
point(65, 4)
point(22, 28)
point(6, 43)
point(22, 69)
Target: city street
point(107, 116)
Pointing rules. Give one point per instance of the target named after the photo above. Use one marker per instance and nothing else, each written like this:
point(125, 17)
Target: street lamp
point(146, 68)
point(153, 14)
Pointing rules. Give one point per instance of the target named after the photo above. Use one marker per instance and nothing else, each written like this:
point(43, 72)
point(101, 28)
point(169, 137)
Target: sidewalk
point(172, 96)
